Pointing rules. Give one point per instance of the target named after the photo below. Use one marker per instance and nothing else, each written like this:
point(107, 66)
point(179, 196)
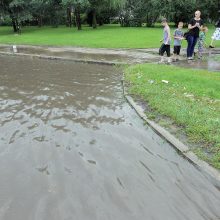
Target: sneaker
point(210, 46)
point(190, 58)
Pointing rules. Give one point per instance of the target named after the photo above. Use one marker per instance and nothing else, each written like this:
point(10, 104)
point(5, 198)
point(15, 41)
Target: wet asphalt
point(71, 148)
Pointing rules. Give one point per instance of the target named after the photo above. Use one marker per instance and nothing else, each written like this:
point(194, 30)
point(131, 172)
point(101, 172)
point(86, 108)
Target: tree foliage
point(130, 12)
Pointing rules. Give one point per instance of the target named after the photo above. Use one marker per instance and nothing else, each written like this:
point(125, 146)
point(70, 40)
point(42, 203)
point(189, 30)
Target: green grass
point(107, 36)
point(191, 99)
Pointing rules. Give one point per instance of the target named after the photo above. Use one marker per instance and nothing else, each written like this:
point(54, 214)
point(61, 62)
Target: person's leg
point(178, 52)
point(194, 42)
point(190, 43)
point(200, 51)
point(175, 53)
point(213, 38)
point(168, 53)
point(161, 52)
point(211, 44)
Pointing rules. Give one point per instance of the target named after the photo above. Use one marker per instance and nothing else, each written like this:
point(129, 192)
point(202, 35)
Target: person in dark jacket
point(216, 35)
point(195, 25)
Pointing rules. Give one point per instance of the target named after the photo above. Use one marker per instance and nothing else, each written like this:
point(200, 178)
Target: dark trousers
point(164, 48)
point(192, 40)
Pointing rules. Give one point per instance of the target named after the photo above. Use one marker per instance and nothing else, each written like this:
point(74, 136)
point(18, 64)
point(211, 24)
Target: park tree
point(135, 12)
point(97, 6)
point(182, 10)
point(55, 11)
point(210, 9)
point(39, 9)
point(73, 11)
point(18, 10)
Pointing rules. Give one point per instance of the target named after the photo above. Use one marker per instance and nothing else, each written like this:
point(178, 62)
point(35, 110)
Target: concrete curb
point(177, 144)
point(110, 63)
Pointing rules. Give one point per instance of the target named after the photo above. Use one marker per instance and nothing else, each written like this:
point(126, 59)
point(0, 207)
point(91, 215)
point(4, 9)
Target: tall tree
point(18, 10)
point(97, 5)
point(73, 11)
point(39, 9)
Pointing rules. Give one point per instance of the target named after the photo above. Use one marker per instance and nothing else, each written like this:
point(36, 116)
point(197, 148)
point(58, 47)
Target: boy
point(165, 47)
point(178, 37)
point(201, 43)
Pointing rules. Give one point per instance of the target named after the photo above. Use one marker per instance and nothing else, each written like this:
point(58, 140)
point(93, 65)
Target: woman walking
point(216, 35)
point(195, 25)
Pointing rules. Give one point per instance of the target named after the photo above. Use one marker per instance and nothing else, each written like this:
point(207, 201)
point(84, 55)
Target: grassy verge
point(107, 36)
point(191, 100)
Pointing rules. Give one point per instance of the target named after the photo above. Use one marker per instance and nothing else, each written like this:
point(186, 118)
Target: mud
point(71, 148)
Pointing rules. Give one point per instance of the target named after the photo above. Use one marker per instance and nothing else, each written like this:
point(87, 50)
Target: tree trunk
point(94, 20)
point(14, 24)
point(40, 21)
point(78, 18)
point(69, 17)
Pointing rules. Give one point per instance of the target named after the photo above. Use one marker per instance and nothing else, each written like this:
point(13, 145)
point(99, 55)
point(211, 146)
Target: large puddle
point(209, 62)
point(112, 56)
point(72, 148)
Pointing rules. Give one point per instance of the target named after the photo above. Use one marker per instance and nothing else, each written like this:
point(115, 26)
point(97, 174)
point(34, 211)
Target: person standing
point(195, 25)
point(216, 35)
point(178, 37)
point(202, 43)
point(165, 47)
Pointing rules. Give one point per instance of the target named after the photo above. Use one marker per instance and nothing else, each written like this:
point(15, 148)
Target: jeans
point(192, 40)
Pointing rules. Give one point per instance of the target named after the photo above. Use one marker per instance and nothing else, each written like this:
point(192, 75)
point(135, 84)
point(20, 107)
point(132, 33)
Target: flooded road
point(71, 148)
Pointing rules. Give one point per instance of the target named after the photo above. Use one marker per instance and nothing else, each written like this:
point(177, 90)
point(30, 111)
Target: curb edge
point(176, 143)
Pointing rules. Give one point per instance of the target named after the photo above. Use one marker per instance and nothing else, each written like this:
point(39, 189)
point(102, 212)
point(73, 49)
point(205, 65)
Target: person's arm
point(201, 26)
point(191, 26)
point(178, 38)
point(175, 36)
point(169, 36)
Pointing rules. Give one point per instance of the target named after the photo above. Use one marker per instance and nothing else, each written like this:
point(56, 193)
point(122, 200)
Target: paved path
point(109, 56)
point(71, 148)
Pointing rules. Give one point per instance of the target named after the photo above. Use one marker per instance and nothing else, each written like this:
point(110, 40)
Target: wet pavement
point(109, 56)
point(72, 148)
point(209, 62)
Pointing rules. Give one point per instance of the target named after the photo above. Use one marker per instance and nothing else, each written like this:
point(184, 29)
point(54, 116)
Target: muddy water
point(92, 54)
point(211, 62)
point(71, 148)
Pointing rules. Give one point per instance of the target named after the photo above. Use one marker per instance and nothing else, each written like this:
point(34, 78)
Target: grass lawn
point(107, 36)
point(191, 100)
